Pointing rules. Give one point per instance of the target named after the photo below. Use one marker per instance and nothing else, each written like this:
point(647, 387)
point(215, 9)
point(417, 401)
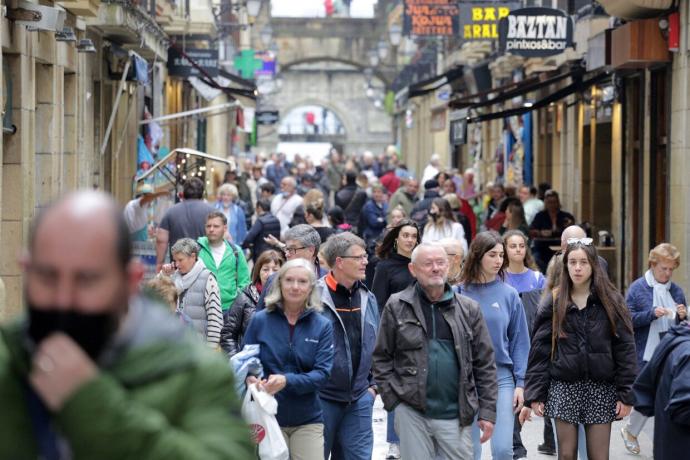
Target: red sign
point(431, 18)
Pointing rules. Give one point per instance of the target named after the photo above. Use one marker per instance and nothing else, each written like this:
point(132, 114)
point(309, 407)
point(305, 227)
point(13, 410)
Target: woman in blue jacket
point(227, 204)
point(374, 213)
point(296, 351)
point(656, 303)
point(482, 281)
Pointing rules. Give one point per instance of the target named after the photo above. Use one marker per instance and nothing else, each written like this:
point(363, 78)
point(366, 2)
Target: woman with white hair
point(227, 204)
point(198, 295)
point(296, 351)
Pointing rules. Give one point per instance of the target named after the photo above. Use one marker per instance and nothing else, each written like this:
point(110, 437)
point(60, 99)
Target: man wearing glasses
point(348, 398)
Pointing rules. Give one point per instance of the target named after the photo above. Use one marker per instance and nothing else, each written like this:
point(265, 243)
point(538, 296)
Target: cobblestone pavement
point(531, 437)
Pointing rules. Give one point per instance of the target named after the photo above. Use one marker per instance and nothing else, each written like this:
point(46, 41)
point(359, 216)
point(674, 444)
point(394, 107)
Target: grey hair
point(305, 234)
point(338, 245)
point(427, 245)
point(452, 244)
point(291, 180)
point(186, 246)
point(275, 294)
point(230, 189)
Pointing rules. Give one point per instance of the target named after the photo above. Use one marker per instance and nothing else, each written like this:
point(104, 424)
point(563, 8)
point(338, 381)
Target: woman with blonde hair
point(296, 351)
point(656, 303)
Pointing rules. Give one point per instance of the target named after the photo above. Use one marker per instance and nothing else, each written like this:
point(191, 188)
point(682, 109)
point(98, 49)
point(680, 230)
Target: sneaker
point(393, 451)
point(546, 449)
point(630, 441)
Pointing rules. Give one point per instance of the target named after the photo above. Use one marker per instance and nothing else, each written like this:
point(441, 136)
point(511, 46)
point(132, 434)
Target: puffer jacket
point(589, 351)
point(237, 320)
point(401, 355)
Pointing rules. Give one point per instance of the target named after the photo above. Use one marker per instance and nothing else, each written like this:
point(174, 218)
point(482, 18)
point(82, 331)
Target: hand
point(373, 392)
point(487, 430)
point(525, 415)
point(274, 384)
point(59, 368)
point(622, 410)
point(682, 312)
point(538, 408)
point(273, 241)
point(250, 380)
point(659, 312)
point(168, 269)
point(518, 399)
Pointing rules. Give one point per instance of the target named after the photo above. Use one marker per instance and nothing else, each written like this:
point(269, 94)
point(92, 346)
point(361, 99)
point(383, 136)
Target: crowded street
point(344, 229)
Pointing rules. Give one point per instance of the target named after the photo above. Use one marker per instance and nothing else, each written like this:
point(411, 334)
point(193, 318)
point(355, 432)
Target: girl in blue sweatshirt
point(482, 281)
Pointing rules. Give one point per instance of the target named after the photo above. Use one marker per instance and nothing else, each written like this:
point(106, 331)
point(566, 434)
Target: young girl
point(522, 272)
point(582, 364)
point(482, 280)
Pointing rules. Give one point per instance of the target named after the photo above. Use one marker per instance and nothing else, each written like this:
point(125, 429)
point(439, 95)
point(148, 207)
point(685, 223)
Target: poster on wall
point(479, 20)
point(535, 32)
point(431, 18)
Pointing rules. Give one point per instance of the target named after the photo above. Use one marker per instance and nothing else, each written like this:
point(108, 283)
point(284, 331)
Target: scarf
point(661, 297)
point(183, 282)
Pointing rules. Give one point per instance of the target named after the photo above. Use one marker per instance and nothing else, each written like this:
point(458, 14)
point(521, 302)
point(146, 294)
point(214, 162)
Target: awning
point(636, 9)
point(176, 175)
point(577, 86)
point(432, 84)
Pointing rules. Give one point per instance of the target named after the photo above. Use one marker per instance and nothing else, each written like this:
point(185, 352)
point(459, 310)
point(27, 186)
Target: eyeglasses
point(583, 241)
point(361, 258)
point(292, 250)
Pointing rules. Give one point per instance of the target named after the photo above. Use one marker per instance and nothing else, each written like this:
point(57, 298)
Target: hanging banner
point(535, 32)
point(428, 18)
point(479, 20)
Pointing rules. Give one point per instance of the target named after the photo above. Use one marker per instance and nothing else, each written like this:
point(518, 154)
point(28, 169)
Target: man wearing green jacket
point(93, 370)
point(225, 260)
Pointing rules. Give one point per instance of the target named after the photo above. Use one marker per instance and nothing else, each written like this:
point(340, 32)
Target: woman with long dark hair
point(392, 275)
point(583, 363)
point(482, 280)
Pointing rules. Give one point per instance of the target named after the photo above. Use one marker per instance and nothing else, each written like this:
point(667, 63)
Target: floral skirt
point(583, 402)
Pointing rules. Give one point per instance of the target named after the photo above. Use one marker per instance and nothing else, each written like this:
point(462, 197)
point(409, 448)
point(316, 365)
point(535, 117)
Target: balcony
point(636, 9)
point(86, 8)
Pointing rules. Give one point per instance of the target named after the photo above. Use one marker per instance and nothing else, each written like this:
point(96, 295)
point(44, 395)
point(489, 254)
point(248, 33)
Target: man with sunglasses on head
point(348, 398)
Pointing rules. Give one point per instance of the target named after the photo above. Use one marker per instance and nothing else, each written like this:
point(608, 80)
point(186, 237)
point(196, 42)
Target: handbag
point(259, 410)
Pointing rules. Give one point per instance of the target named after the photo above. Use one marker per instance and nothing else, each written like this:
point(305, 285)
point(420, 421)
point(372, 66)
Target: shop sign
point(180, 66)
point(267, 117)
point(443, 93)
point(427, 18)
point(458, 127)
point(479, 20)
point(535, 32)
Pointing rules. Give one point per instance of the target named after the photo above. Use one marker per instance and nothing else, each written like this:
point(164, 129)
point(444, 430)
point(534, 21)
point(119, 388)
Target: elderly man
point(455, 249)
point(81, 375)
point(434, 363)
point(284, 204)
point(347, 400)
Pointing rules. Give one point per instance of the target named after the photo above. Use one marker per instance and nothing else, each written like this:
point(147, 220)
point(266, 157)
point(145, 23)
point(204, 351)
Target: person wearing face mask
point(442, 224)
point(242, 309)
point(80, 373)
point(482, 280)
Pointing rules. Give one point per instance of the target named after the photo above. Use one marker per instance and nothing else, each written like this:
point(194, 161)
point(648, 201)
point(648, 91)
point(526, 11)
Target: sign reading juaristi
point(535, 32)
point(431, 18)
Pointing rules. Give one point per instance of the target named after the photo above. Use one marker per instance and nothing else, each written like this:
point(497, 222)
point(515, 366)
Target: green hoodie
point(233, 273)
point(159, 395)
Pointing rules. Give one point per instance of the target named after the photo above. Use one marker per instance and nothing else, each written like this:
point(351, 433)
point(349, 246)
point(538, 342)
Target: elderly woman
point(656, 303)
point(228, 205)
point(296, 351)
point(198, 296)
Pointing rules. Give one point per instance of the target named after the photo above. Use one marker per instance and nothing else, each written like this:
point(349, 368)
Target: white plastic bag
point(259, 410)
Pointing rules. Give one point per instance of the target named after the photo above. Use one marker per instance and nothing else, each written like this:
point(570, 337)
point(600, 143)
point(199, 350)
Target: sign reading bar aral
point(479, 20)
point(427, 18)
point(535, 32)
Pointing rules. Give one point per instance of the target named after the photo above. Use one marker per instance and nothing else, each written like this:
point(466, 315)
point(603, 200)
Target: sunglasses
point(582, 241)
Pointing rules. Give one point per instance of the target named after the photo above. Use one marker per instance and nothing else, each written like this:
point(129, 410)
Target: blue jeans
point(348, 433)
point(391, 435)
point(502, 439)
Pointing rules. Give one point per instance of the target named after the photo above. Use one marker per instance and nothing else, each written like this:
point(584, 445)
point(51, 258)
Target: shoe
point(393, 451)
point(630, 441)
point(546, 449)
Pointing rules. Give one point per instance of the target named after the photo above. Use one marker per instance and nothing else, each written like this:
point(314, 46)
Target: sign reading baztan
point(535, 32)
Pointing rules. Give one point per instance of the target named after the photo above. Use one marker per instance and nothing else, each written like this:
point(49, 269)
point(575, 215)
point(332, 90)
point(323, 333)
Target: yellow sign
point(480, 21)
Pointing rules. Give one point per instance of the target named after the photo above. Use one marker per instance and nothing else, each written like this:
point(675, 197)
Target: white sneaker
point(393, 451)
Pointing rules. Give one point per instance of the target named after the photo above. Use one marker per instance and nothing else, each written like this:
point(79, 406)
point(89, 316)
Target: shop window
point(659, 180)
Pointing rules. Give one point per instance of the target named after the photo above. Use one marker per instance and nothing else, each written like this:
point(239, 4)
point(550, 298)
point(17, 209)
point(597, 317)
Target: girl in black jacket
point(244, 305)
point(582, 363)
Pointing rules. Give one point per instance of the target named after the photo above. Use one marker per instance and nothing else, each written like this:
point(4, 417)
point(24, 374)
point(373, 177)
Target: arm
point(254, 232)
point(146, 199)
point(162, 237)
point(625, 362)
point(384, 352)
point(538, 376)
point(518, 336)
point(380, 286)
point(642, 314)
point(214, 313)
point(375, 310)
point(315, 379)
point(242, 271)
point(241, 223)
point(483, 365)
point(208, 426)
point(230, 332)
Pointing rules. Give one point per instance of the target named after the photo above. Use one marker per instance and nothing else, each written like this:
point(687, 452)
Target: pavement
point(532, 436)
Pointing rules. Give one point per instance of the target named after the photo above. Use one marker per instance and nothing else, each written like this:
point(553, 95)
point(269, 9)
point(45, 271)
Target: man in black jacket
point(351, 198)
point(266, 224)
point(420, 211)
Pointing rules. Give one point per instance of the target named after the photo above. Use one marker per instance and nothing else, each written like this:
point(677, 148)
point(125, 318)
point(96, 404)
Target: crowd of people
point(451, 304)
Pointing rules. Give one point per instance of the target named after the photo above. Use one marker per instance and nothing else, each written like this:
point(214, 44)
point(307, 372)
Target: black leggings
point(598, 438)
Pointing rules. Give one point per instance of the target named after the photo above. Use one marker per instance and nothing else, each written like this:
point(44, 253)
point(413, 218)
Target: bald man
point(82, 374)
point(577, 232)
